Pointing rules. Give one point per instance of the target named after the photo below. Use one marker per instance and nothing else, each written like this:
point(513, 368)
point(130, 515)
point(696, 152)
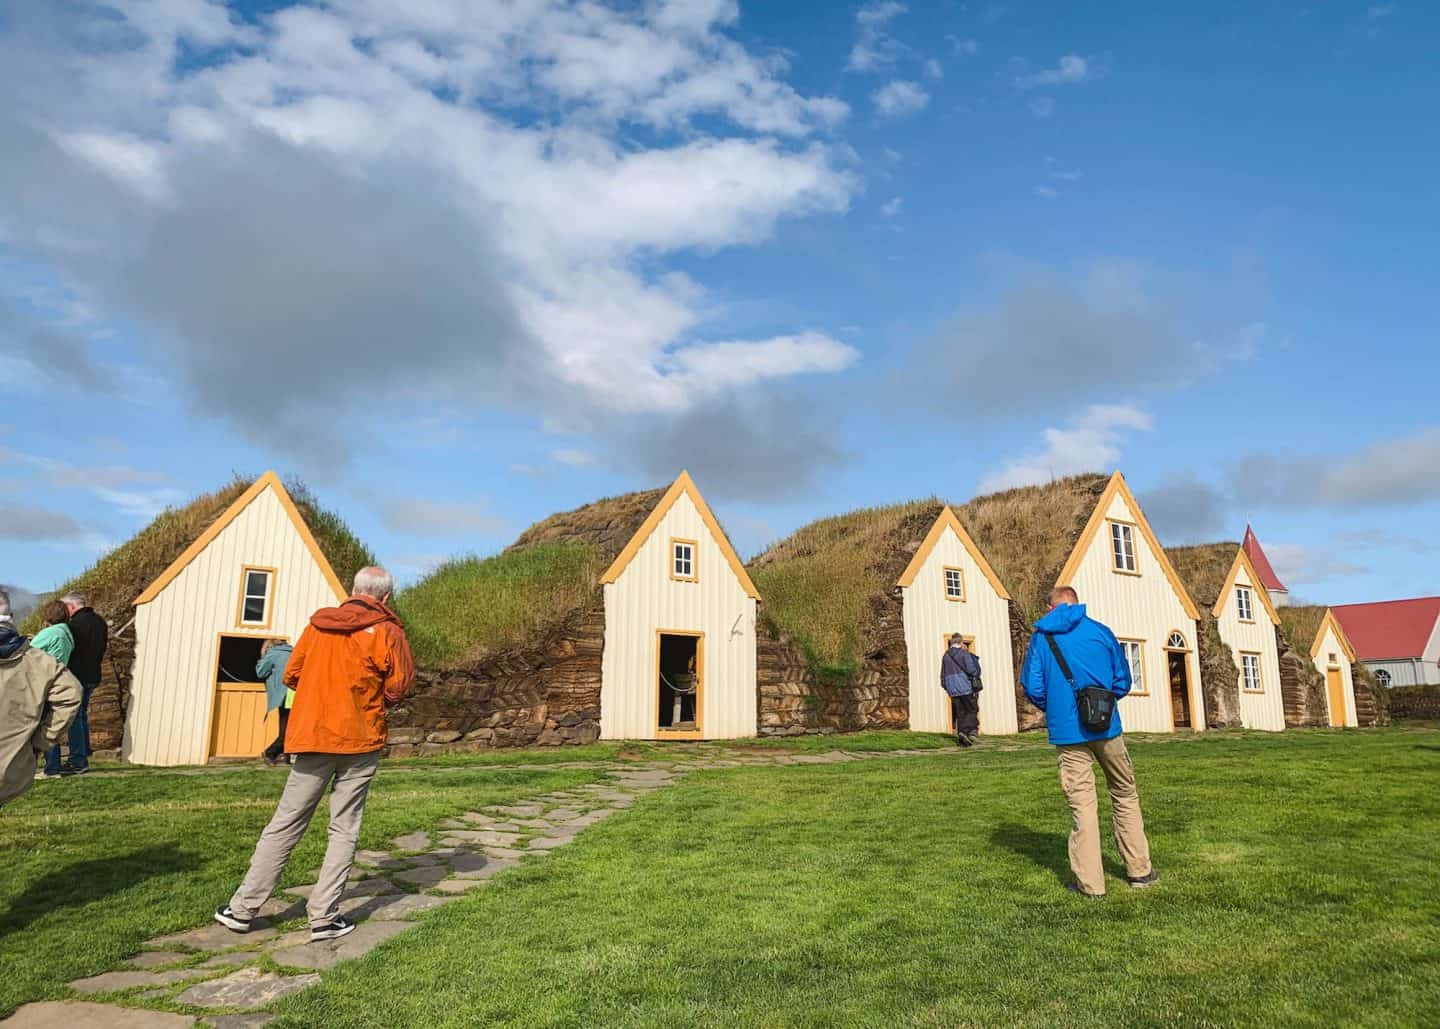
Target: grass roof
point(1028, 533)
point(1203, 569)
point(113, 582)
point(1301, 624)
point(820, 582)
point(474, 606)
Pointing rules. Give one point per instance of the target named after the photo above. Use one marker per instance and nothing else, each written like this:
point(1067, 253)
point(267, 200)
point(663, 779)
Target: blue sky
point(459, 266)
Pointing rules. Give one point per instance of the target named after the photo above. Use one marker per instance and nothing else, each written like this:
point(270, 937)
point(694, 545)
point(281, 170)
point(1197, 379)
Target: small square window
point(682, 560)
point(954, 583)
point(256, 587)
point(1245, 603)
point(1122, 548)
point(1250, 673)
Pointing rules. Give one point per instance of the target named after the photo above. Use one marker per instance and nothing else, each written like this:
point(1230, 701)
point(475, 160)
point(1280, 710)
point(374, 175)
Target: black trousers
point(966, 711)
point(278, 747)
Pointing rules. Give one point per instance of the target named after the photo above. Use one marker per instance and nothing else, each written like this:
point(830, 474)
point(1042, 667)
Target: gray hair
point(1064, 595)
point(4, 606)
point(373, 582)
point(77, 599)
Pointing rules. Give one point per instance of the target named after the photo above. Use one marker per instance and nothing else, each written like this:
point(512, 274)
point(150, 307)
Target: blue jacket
point(958, 671)
point(1095, 659)
point(271, 668)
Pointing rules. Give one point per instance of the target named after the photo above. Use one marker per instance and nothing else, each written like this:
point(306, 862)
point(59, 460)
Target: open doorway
point(679, 681)
point(1179, 677)
point(239, 725)
point(949, 707)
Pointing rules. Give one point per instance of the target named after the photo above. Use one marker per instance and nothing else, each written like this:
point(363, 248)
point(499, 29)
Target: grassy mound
point(472, 607)
point(1301, 624)
point(819, 583)
point(1203, 570)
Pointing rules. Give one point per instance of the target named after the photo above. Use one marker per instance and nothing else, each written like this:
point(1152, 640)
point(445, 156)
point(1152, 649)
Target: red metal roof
point(1389, 628)
point(1257, 557)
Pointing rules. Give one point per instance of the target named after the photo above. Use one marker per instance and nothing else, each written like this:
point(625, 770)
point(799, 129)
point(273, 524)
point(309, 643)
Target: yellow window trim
point(1259, 672)
point(245, 571)
point(1242, 562)
point(267, 481)
point(1117, 487)
point(683, 486)
point(694, 546)
point(945, 583)
point(1144, 678)
point(697, 733)
point(1134, 544)
point(947, 519)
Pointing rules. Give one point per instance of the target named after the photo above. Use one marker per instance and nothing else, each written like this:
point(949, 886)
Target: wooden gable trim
point(683, 486)
point(269, 481)
point(948, 520)
point(1333, 623)
point(1242, 560)
point(1118, 487)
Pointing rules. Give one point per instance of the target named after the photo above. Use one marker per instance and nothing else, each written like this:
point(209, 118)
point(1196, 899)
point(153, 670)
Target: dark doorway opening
point(1179, 689)
point(679, 683)
point(238, 657)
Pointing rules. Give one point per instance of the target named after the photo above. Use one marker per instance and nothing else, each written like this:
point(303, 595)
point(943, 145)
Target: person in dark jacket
point(92, 637)
point(1095, 658)
point(274, 656)
point(959, 674)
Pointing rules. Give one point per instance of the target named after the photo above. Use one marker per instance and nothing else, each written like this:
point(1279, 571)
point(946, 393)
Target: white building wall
point(930, 618)
point(1144, 607)
point(1407, 671)
point(1330, 645)
point(1266, 709)
point(645, 600)
point(177, 635)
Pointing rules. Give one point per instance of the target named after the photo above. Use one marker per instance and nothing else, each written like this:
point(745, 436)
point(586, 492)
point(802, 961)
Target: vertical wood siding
point(645, 600)
point(177, 633)
point(930, 617)
point(1330, 645)
point(1140, 607)
point(1264, 710)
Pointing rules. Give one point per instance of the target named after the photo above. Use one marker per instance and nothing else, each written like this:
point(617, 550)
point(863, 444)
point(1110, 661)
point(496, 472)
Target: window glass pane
point(254, 609)
point(256, 583)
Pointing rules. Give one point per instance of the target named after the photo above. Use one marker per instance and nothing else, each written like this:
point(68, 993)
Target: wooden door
point(1335, 689)
point(242, 727)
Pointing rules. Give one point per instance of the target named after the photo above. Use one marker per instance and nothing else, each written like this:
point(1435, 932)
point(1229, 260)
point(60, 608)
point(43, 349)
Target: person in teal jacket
point(274, 656)
point(55, 639)
point(1095, 658)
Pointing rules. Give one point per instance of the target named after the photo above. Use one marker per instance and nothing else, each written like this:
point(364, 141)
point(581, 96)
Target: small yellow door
point(1335, 688)
point(242, 728)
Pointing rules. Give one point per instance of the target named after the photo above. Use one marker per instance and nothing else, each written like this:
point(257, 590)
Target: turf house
point(1239, 639)
point(631, 617)
point(1329, 687)
point(190, 598)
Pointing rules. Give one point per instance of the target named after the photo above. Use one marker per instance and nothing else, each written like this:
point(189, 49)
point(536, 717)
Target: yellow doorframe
point(697, 733)
point(1170, 692)
point(214, 723)
point(1329, 702)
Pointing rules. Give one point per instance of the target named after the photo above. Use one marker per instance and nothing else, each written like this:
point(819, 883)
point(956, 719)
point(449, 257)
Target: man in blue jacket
point(1095, 659)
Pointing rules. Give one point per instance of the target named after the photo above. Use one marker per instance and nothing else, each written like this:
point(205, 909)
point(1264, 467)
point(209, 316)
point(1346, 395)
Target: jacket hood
point(1061, 619)
point(11, 642)
point(355, 614)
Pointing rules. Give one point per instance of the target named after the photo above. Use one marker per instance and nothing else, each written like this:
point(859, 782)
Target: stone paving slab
point(483, 836)
point(73, 1014)
point(509, 853)
point(450, 886)
point(110, 982)
point(249, 1020)
point(549, 842)
point(562, 815)
point(155, 958)
point(329, 953)
point(423, 876)
point(214, 937)
point(278, 909)
point(247, 988)
point(232, 959)
point(484, 870)
point(388, 908)
point(412, 841)
point(519, 810)
point(359, 888)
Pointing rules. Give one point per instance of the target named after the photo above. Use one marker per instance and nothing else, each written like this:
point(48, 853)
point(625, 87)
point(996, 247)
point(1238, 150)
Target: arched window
point(1176, 642)
point(1382, 677)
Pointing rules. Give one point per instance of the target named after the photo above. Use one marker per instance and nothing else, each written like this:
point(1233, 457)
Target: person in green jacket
point(274, 656)
point(55, 639)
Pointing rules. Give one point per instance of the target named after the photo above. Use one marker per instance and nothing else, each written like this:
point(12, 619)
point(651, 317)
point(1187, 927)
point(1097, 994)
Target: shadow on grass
point(76, 885)
point(1046, 849)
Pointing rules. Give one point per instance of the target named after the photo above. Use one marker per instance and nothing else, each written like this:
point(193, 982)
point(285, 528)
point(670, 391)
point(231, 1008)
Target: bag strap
point(1060, 659)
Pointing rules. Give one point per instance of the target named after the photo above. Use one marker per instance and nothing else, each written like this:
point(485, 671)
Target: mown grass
point(1299, 887)
point(473, 605)
point(95, 866)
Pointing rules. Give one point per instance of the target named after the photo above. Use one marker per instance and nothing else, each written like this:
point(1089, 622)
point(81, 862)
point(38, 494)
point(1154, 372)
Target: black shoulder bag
point(1096, 704)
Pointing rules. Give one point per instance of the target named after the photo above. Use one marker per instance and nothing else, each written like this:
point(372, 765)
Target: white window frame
point(1250, 660)
point(684, 567)
point(1135, 654)
point(1124, 559)
point(263, 622)
point(1245, 603)
point(959, 579)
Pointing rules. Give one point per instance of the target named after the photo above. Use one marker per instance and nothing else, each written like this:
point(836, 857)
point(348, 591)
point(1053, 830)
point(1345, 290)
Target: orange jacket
point(351, 663)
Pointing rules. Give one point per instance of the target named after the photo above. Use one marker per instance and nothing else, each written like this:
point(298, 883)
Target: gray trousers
point(350, 775)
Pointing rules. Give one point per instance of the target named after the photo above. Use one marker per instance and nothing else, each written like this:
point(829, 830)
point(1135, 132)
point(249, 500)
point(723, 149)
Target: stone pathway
point(210, 969)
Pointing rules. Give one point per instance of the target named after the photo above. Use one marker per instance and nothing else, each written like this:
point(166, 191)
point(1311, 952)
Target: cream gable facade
point(1263, 708)
point(1332, 655)
point(1145, 606)
point(643, 599)
point(181, 618)
point(930, 617)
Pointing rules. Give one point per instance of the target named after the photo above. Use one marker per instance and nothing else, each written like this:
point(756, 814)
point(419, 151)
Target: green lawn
point(1300, 886)
point(94, 866)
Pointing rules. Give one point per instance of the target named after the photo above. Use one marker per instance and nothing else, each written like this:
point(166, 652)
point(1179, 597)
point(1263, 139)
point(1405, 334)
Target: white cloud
point(1090, 442)
point(1380, 11)
point(1299, 564)
point(141, 505)
point(1398, 470)
point(1071, 70)
point(572, 457)
point(419, 517)
point(899, 98)
point(964, 47)
point(1042, 106)
point(874, 46)
point(891, 207)
point(934, 70)
point(1047, 192)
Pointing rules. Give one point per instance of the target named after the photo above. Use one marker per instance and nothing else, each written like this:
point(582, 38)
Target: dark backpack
point(1095, 704)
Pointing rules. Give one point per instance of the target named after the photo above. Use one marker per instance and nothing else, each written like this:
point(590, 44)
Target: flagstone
point(109, 982)
point(246, 988)
point(215, 937)
point(412, 841)
point(329, 953)
point(155, 958)
point(72, 1014)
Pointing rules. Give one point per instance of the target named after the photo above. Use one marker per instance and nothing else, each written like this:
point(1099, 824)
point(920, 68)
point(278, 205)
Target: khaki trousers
point(348, 776)
point(1077, 779)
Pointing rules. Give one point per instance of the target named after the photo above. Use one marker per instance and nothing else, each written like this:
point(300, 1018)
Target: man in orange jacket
point(351, 665)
